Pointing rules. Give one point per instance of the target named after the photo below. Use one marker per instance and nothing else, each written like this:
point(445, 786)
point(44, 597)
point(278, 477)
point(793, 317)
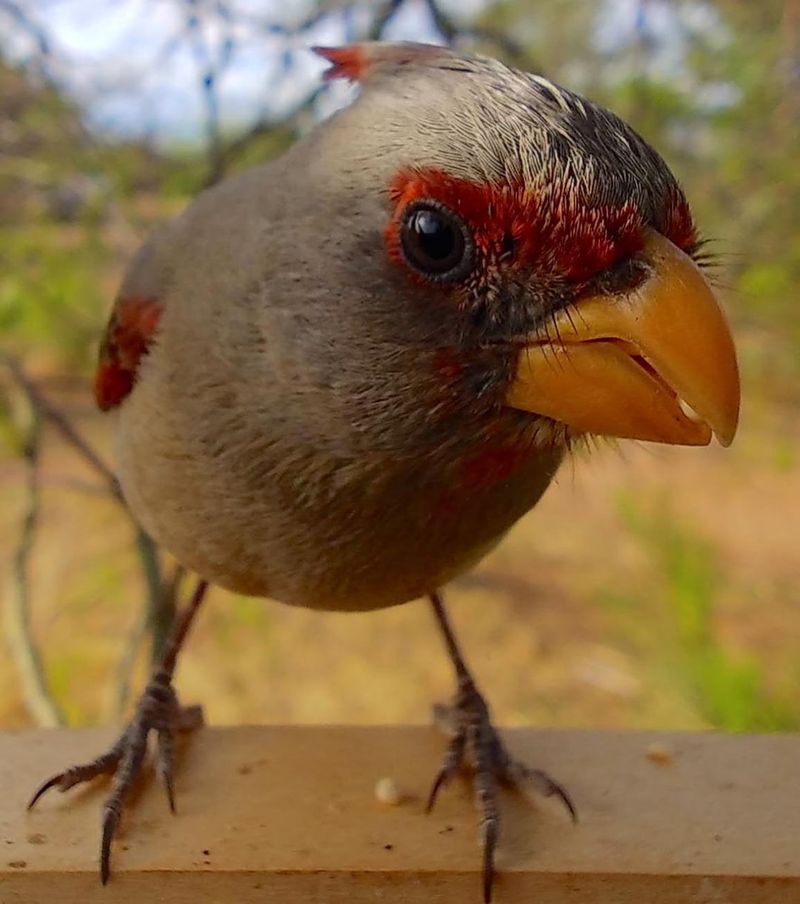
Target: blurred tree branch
point(221, 155)
point(41, 40)
point(161, 606)
point(39, 702)
point(171, 591)
point(60, 421)
point(238, 146)
point(211, 65)
point(514, 52)
point(214, 30)
point(221, 158)
point(161, 594)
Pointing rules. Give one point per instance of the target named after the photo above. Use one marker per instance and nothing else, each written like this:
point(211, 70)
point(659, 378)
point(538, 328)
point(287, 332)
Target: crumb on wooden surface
point(659, 754)
point(388, 792)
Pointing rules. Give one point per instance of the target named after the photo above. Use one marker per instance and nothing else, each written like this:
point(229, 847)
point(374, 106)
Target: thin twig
point(262, 126)
point(292, 119)
point(73, 484)
point(160, 609)
point(127, 663)
point(38, 35)
point(451, 31)
point(160, 606)
point(38, 699)
point(210, 67)
point(170, 591)
point(60, 421)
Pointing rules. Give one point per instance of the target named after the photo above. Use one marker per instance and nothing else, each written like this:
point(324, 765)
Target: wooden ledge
point(289, 814)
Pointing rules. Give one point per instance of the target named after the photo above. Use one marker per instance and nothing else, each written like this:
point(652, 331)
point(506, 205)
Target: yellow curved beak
point(654, 363)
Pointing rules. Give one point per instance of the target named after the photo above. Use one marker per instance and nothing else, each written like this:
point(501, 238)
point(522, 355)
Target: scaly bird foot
point(159, 711)
point(474, 739)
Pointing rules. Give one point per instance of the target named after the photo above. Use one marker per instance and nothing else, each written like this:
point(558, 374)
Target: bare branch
point(451, 31)
point(209, 71)
point(60, 421)
point(39, 701)
point(127, 663)
point(323, 10)
point(75, 485)
point(170, 591)
point(38, 35)
point(294, 118)
point(160, 599)
point(239, 145)
point(160, 609)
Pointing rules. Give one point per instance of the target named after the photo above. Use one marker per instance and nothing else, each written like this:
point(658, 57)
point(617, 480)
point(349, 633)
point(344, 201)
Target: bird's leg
point(159, 711)
point(473, 739)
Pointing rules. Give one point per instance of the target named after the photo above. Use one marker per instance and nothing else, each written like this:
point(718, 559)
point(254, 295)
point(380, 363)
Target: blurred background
point(651, 587)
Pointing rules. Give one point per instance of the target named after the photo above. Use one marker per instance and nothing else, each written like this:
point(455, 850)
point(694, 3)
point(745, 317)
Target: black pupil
point(434, 243)
point(435, 236)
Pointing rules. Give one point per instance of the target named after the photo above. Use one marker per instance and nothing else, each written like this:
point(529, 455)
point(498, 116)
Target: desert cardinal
point(341, 377)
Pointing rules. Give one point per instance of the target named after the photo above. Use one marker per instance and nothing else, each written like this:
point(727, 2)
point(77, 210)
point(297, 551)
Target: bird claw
point(159, 711)
point(474, 739)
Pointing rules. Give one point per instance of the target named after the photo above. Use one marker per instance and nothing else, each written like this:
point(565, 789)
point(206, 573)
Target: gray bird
point(341, 377)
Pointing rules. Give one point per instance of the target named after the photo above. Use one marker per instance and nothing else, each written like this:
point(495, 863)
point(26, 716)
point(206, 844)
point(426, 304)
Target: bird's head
point(537, 245)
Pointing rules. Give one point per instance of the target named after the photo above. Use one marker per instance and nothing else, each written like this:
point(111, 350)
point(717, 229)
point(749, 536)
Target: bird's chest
point(423, 527)
point(277, 520)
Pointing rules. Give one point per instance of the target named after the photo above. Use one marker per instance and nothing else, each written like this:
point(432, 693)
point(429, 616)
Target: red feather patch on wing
point(128, 336)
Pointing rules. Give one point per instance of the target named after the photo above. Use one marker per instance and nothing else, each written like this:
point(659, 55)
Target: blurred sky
point(135, 65)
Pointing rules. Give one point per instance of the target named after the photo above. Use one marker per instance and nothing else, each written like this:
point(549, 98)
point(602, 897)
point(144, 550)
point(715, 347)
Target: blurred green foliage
point(679, 613)
point(58, 188)
point(73, 208)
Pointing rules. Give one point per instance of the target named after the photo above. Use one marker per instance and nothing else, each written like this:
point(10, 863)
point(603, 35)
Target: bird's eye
point(435, 242)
